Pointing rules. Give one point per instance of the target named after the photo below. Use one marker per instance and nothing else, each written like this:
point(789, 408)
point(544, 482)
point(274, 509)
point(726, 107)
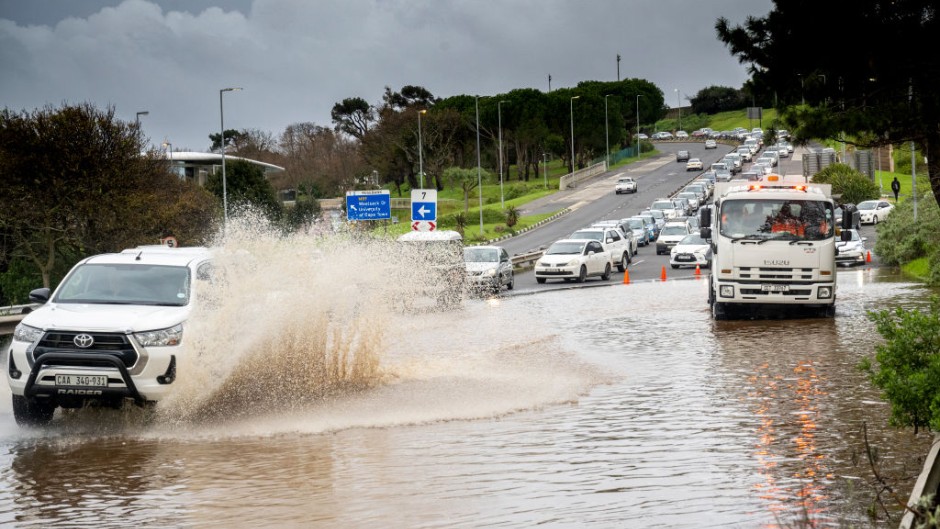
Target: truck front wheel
point(31, 412)
point(719, 311)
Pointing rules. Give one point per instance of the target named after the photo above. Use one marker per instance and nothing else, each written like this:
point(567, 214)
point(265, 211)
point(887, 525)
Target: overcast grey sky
point(296, 58)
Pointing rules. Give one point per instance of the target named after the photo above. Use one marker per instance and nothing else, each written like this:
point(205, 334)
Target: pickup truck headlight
point(490, 273)
point(25, 333)
point(162, 337)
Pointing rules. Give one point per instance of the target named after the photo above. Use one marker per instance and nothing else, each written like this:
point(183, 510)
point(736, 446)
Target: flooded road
point(617, 406)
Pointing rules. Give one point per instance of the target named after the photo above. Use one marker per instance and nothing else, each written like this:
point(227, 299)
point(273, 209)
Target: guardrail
point(526, 259)
point(11, 315)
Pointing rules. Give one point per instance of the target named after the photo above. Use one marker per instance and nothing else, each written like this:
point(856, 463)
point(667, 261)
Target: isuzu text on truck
point(774, 246)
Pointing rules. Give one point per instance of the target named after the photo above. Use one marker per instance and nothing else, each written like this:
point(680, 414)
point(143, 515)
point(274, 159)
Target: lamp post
point(545, 168)
point(141, 113)
point(606, 126)
point(679, 108)
point(421, 149)
point(572, 132)
point(169, 149)
point(479, 170)
point(499, 116)
point(222, 148)
point(638, 96)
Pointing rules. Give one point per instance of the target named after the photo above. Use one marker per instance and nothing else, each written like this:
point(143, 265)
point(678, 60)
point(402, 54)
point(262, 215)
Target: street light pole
point(606, 126)
point(169, 149)
point(420, 150)
point(638, 96)
point(545, 168)
point(479, 170)
point(222, 148)
point(679, 108)
point(572, 132)
point(137, 119)
point(499, 114)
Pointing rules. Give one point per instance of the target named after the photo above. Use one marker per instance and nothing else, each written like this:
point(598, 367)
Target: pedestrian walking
point(896, 188)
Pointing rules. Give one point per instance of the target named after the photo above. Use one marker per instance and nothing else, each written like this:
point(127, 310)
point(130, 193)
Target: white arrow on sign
point(353, 207)
point(423, 212)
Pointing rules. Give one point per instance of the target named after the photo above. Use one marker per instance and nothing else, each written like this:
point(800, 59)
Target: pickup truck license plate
point(775, 288)
point(88, 381)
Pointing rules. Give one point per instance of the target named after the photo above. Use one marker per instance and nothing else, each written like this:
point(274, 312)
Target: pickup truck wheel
point(606, 276)
point(30, 412)
point(583, 274)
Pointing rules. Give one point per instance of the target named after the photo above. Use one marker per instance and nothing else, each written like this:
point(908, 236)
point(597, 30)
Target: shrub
point(901, 240)
point(512, 216)
point(515, 191)
point(907, 366)
point(848, 184)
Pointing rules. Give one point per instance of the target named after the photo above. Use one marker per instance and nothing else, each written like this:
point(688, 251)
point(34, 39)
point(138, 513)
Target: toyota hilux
point(111, 332)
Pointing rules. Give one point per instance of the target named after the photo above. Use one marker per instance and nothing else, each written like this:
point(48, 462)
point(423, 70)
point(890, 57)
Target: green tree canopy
point(245, 186)
point(77, 185)
point(860, 66)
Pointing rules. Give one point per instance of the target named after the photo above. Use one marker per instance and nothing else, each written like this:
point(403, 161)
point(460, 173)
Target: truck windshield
point(121, 284)
point(793, 220)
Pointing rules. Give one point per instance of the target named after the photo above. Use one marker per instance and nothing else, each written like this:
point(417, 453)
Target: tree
point(880, 90)
point(714, 99)
point(81, 187)
point(466, 179)
point(231, 138)
point(353, 116)
point(245, 186)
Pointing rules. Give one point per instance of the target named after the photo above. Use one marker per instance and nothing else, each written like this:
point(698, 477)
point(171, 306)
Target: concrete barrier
point(927, 483)
point(572, 179)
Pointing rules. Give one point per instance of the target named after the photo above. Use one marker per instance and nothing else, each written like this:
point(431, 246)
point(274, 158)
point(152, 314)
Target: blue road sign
point(426, 211)
point(368, 205)
point(424, 205)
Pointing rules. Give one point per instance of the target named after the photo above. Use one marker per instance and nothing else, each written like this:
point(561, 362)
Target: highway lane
point(595, 200)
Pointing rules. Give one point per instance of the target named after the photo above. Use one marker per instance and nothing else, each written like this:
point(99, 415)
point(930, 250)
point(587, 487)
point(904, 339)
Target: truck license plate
point(88, 381)
point(775, 288)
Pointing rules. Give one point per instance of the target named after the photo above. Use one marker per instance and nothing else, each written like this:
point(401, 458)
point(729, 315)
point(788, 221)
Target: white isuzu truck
point(774, 246)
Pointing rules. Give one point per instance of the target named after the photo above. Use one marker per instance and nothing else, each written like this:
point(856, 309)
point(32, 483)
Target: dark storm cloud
point(296, 58)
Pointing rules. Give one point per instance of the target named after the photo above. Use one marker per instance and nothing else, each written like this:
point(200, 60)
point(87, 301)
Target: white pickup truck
point(613, 241)
point(111, 332)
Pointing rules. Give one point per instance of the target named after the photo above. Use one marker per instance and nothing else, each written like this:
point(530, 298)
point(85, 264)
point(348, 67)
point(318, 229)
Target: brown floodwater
point(617, 406)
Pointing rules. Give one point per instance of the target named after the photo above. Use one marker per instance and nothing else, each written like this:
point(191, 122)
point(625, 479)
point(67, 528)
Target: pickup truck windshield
point(793, 220)
point(123, 284)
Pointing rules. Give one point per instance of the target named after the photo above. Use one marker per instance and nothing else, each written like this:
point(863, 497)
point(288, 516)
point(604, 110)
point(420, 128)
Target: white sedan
point(690, 251)
point(694, 164)
point(573, 260)
point(874, 211)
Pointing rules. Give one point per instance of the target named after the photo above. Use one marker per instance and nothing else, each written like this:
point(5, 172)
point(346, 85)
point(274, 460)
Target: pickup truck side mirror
point(40, 295)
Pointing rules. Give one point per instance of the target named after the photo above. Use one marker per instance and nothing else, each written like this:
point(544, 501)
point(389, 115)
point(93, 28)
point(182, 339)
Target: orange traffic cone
point(868, 257)
point(626, 276)
point(698, 271)
point(663, 275)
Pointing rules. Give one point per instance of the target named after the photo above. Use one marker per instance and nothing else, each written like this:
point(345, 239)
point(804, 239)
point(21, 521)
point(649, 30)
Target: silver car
point(488, 268)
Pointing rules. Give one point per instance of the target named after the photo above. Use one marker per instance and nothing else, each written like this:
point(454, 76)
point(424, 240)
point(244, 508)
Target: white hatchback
point(874, 211)
point(573, 260)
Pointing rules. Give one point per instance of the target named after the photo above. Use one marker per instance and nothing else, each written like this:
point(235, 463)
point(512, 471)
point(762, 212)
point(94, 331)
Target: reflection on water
point(620, 406)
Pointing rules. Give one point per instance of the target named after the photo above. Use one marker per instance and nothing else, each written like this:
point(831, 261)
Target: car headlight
point(490, 273)
point(161, 337)
point(573, 262)
point(824, 293)
point(25, 333)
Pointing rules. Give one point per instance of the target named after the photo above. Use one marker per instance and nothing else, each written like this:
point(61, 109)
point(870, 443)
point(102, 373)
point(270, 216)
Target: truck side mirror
point(40, 295)
point(706, 233)
point(846, 236)
point(848, 211)
point(705, 217)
